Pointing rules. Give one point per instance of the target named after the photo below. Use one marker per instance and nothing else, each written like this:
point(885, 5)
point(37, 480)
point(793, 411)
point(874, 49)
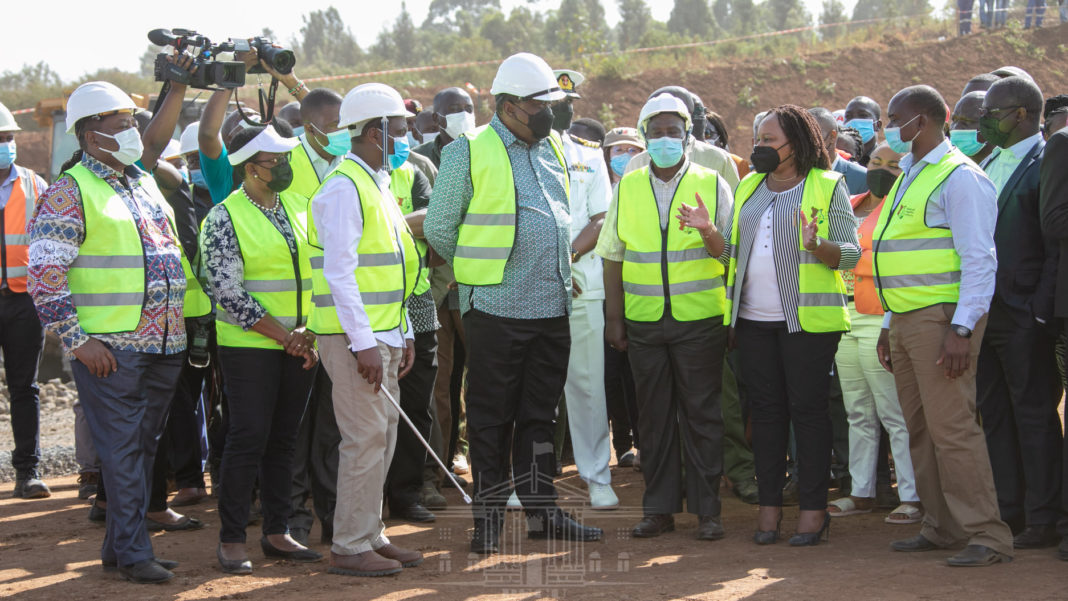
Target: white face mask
point(428, 138)
point(457, 124)
point(130, 146)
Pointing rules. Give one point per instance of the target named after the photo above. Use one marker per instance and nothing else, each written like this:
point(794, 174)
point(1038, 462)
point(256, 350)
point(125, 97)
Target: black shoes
point(487, 536)
point(413, 513)
point(186, 523)
point(654, 525)
point(241, 567)
point(558, 525)
point(626, 459)
point(1037, 537)
point(29, 486)
point(811, 539)
point(914, 544)
point(98, 514)
point(113, 566)
point(977, 556)
point(303, 555)
point(148, 571)
point(768, 537)
point(710, 528)
point(87, 483)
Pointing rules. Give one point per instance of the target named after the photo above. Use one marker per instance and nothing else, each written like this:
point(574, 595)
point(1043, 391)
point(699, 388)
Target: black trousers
point(516, 374)
point(787, 377)
point(22, 340)
point(405, 478)
point(621, 400)
point(315, 461)
point(1017, 393)
point(182, 445)
point(678, 378)
point(267, 392)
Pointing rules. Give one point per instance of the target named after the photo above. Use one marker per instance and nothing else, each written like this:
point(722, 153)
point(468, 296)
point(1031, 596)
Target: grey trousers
point(678, 378)
point(126, 412)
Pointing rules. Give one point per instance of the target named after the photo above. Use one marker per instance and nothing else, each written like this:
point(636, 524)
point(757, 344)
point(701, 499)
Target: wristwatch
point(961, 331)
point(819, 242)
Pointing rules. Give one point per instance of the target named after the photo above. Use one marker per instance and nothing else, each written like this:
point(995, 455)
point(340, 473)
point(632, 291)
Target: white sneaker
point(602, 497)
point(459, 464)
point(513, 502)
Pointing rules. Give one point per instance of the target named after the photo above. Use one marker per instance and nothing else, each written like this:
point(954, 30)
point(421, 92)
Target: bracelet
point(300, 84)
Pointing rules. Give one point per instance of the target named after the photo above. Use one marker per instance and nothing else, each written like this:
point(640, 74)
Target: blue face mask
point(298, 131)
point(665, 152)
point(401, 149)
point(966, 140)
point(185, 174)
point(197, 177)
point(8, 154)
point(338, 142)
point(866, 127)
point(619, 163)
point(894, 141)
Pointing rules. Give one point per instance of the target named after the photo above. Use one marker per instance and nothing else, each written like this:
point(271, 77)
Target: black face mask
point(563, 113)
point(281, 177)
point(880, 181)
point(765, 158)
point(541, 122)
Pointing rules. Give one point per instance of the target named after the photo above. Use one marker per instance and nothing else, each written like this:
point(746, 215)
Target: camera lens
point(281, 59)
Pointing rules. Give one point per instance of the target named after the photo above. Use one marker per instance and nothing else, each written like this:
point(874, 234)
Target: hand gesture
point(695, 217)
point(809, 228)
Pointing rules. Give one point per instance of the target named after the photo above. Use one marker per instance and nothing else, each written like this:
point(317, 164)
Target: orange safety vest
point(16, 215)
point(865, 297)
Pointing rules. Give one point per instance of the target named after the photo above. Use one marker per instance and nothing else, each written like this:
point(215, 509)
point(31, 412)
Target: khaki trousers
point(367, 423)
point(948, 448)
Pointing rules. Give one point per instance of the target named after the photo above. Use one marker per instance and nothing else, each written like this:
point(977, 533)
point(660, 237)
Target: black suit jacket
point(1053, 200)
point(1027, 260)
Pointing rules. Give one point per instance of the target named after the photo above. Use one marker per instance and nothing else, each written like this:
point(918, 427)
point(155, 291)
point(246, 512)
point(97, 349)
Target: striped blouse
point(788, 255)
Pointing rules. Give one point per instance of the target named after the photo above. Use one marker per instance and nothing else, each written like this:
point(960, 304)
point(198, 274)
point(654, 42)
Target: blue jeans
point(1036, 9)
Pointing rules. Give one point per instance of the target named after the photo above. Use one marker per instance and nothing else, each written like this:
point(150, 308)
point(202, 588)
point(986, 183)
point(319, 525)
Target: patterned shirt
point(422, 309)
point(225, 266)
point(57, 233)
point(537, 275)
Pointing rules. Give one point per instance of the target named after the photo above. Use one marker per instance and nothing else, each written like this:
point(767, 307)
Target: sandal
point(912, 515)
point(845, 506)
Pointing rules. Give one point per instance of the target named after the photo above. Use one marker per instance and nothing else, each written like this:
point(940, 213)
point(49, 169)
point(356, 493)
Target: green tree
point(635, 19)
point(786, 14)
point(692, 18)
point(447, 14)
point(521, 30)
point(325, 40)
point(577, 28)
point(24, 88)
point(833, 12)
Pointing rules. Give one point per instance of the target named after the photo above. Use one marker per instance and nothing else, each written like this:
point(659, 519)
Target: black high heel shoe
point(811, 539)
point(304, 555)
point(768, 537)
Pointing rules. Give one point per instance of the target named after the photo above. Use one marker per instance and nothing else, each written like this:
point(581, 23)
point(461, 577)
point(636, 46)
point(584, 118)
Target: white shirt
point(1000, 167)
point(760, 290)
point(591, 193)
point(339, 222)
point(8, 185)
point(321, 166)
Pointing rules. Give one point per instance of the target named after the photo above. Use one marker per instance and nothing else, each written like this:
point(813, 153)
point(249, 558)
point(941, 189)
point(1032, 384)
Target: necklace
point(784, 179)
point(273, 209)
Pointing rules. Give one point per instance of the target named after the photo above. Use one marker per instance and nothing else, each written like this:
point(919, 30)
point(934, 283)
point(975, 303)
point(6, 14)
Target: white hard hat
point(526, 76)
point(567, 80)
point(95, 98)
point(188, 142)
point(172, 150)
point(370, 101)
point(7, 120)
point(663, 103)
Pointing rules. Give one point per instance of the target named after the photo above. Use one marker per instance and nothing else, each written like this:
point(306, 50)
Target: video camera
point(209, 70)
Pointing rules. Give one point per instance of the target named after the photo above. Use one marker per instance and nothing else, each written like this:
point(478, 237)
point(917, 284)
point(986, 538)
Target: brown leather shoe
point(408, 559)
point(654, 525)
point(367, 563)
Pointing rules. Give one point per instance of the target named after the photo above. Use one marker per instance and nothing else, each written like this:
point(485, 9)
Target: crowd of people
point(874, 295)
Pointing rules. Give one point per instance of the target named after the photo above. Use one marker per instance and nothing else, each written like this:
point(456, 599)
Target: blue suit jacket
point(856, 176)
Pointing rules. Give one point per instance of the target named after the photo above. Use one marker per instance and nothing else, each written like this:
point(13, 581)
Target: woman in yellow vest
point(793, 229)
point(255, 247)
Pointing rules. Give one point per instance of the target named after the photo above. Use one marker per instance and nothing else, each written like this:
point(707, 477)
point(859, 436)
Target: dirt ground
point(49, 550)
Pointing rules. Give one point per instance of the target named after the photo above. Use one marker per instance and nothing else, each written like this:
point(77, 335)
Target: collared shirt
point(321, 166)
point(856, 176)
point(702, 153)
point(966, 203)
point(339, 222)
point(537, 275)
point(1003, 163)
point(591, 194)
point(612, 248)
point(8, 185)
point(57, 233)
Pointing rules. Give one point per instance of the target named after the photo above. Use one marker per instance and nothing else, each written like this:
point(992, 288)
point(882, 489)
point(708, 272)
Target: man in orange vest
point(21, 334)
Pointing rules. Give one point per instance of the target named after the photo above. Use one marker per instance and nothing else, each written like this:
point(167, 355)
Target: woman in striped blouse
point(793, 229)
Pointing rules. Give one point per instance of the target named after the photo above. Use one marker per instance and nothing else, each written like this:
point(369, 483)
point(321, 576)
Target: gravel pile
point(57, 430)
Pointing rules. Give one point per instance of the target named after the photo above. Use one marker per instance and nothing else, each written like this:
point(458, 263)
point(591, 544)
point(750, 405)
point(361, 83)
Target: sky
point(81, 39)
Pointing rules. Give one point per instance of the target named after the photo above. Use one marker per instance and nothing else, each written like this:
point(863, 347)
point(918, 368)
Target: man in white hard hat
point(21, 335)
point(499, 214)
point(665, 299)
point(587, 410)
point(106, 274)
point(360, 283)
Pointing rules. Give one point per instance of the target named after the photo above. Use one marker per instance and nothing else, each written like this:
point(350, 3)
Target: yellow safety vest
point(401, 181)
point(668, 266)
point(388, 261)
point(916, 266)
point(487, 233)
point(305, 179)
point(822, 292)
point(279, 279)
point(196, 302)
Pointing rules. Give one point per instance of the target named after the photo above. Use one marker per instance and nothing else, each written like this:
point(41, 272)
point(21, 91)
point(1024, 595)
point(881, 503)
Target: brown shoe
point(408, 559)
point(367, 563)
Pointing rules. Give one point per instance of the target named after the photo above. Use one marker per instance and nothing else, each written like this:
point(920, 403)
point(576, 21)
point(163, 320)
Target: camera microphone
point(162, 37)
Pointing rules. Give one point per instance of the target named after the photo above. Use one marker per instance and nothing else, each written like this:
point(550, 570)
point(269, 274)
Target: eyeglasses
point(280, 159)
point(997, 111)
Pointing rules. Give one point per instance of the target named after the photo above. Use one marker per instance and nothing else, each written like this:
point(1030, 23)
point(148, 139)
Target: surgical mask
point(765, 159)
point(665, 152)
point(540, 123)
point(880, 181)
point(990, 127)
point(281, 177)
point(197, 177)
point(563, 113)
point(428, 138)
point(457, 124)
point(298, 131)
point(185, 174)
point(412, 142)
point(619, 163)
point(8, 154)
point(894, 141)
point(866, 127)
point(401, 150)
point(966, 140)
point(338, 142)
point(130, 146)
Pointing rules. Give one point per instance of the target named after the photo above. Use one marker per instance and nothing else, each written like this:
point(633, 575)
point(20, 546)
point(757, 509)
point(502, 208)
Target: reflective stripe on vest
point(388, 261)
point(487, 232)
point(276, 277)
point(916, 266)
point(401, 181)
point(668, 267)
point(107, 279)
point(822, 292)
point(17, 214)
